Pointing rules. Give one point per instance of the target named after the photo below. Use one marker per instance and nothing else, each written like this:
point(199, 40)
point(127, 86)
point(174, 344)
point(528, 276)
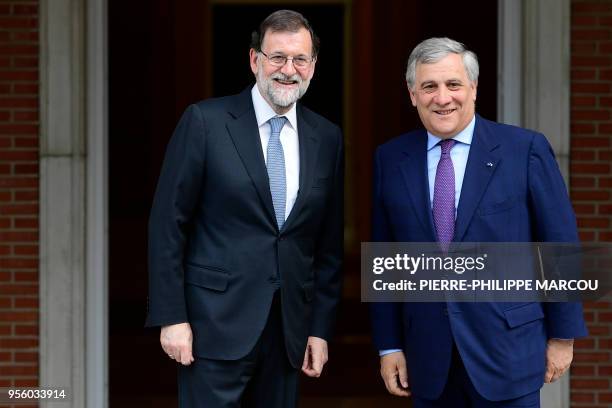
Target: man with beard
point(246, 232)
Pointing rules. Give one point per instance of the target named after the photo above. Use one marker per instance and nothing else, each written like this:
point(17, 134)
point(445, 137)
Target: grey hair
point(433, 50)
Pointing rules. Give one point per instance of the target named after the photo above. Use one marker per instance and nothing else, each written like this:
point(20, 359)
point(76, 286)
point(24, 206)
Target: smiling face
point(282, 86)
point(444, 96)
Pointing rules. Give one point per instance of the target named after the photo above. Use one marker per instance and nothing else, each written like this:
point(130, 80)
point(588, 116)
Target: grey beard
point(280, 97)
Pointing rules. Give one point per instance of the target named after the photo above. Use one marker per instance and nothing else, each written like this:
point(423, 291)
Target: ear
point(412, 96)
point(312, 68)
point(253, 60)
point(474, 86)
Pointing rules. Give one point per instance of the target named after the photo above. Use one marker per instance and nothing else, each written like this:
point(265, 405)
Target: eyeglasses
point(279, 60)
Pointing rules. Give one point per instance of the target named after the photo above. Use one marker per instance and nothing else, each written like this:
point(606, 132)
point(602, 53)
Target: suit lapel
point(414, 172)
point(245, 135)
point(482, 162)
point(309, 143)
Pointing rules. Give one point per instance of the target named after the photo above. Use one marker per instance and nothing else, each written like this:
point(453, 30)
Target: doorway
point(164, 55)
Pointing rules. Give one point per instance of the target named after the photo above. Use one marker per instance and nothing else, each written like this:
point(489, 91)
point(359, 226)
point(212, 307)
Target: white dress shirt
point(289, 140)
point(459, 155)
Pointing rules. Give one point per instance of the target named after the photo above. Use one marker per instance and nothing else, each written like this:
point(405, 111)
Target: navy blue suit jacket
point(521, 198)
point(216, 256)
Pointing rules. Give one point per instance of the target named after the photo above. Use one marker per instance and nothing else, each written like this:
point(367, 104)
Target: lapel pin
point(489, 164)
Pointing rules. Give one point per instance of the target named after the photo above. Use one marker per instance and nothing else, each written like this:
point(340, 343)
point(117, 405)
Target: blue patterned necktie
point(444, 195)
point(276, 170)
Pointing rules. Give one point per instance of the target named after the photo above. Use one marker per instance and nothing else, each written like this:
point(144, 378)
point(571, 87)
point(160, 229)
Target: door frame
point(74, 201)
point(74, 170)
point(537, 56)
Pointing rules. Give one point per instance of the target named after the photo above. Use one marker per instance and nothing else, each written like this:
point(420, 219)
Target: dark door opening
point(167, 54)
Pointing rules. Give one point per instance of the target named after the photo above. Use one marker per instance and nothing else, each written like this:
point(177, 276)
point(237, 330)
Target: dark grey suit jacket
point(216, 256)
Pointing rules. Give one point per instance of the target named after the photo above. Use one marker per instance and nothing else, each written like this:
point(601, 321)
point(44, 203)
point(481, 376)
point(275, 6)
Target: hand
point(315, 357)
point(559, 354)
point(394, 373)
point(176, 340)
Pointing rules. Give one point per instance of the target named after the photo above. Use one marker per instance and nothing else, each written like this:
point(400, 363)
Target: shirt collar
point(465, 136)
point(264, 112)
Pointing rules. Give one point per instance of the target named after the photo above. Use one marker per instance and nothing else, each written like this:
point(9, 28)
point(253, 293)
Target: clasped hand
point(176, 341)
point(559, 354)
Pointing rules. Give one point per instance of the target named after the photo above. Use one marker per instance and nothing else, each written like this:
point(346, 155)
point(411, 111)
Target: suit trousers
point(263, 378)
point(459, 392)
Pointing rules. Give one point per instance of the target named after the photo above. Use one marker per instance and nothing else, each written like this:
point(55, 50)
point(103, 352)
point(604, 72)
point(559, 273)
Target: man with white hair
point(466, 179)
point(246, 233)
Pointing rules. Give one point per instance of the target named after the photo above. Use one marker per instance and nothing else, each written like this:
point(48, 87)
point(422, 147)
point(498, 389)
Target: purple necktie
point(444, 195)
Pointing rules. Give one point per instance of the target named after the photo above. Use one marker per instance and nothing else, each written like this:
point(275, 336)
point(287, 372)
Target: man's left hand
point(559, 354)
point(315, 357)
